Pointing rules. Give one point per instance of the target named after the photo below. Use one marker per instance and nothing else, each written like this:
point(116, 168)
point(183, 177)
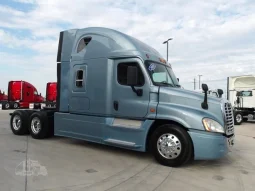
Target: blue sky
point(212, 38)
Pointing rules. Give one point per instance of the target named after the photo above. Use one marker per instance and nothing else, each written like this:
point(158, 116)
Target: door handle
point(116, 105)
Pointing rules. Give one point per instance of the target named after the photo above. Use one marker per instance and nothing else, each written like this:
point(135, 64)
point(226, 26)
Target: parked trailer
point(241, 94)
point(21, 94)
point(115, 90)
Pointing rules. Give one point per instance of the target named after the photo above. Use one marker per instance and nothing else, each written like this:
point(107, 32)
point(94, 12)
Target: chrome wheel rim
point(169, 146)
point(7, 106)
point(35, 125)
point(16, 122)
point(15, 105)
point(238, 118)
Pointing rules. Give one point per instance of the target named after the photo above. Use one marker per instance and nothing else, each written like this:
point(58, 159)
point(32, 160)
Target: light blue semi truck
point(114, 89)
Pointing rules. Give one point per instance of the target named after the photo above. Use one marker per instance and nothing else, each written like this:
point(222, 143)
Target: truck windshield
point(161, 75)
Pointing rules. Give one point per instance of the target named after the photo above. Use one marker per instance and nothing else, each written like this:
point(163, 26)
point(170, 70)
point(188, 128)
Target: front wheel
point(238, 118)
point(171, 145)
point(7, 106)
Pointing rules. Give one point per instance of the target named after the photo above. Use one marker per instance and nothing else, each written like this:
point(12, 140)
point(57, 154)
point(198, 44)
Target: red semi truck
point(51, 94)
point(3, 98)
point(21, 94)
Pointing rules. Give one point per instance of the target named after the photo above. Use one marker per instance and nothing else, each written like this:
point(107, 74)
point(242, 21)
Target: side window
point(246, 93)
point(79, 78)
point(83, 43)
point(122, 73)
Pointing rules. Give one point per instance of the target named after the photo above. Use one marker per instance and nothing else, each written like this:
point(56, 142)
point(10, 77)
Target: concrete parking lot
point(65, 164)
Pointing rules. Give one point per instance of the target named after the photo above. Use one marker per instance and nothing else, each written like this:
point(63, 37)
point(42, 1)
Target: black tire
point(39, 117)
point(185, 151)
point(21, 129)
point(6, 105)
point(15, 105)
point(238, 118)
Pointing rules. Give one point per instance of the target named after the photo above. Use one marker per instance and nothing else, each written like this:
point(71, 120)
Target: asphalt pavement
point(58, 164)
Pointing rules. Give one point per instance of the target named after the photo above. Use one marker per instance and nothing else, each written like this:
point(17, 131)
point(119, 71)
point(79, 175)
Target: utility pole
point(199, 80)
point(166, 42)
point(194, 83)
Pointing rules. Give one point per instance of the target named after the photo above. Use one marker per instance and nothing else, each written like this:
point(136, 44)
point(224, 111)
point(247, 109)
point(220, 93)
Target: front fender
point(189, 117)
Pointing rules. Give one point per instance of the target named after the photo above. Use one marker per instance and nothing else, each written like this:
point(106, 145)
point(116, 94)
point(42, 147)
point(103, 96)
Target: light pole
point(166, 42)
point(199, 80)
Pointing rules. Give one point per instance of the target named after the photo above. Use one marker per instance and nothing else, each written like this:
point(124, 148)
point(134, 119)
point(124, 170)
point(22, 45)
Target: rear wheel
point(238, 118)
point(15, 105)
point(171, 145)
point(39, 128)
point(19, 122)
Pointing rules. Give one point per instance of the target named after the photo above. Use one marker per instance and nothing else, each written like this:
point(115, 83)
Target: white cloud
point(213, 38)
point(25, 1)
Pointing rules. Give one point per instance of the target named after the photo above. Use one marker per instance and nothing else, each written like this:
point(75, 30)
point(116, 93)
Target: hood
point(183, 94)
point(3, 97)
point(188, 98)
point(39, 98)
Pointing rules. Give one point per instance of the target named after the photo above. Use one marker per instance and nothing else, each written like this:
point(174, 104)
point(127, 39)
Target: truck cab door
point(125, 102)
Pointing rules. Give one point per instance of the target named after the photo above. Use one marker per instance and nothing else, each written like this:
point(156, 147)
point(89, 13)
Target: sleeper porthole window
point(83, 43)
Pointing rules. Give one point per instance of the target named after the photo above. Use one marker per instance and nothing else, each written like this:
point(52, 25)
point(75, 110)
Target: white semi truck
point(241, 94)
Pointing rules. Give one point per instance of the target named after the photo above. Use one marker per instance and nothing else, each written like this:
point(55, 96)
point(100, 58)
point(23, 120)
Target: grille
point(229, 119)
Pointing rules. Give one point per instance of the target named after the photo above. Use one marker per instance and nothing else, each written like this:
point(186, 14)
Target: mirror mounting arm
point(139, 92)
point(204, 104)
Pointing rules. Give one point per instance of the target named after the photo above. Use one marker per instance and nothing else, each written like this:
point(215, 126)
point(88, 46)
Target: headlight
point(213, 126)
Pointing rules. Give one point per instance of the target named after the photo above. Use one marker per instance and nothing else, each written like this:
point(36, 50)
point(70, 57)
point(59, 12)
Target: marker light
point(162, 60)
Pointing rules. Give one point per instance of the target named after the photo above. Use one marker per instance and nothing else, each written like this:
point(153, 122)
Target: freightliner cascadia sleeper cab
point(113, 89)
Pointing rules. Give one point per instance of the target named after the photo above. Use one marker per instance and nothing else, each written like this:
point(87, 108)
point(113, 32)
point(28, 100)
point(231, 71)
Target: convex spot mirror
point(220, 92)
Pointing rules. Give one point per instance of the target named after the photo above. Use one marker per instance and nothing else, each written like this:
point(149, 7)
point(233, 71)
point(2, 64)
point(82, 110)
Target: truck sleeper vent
point(229, 119)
